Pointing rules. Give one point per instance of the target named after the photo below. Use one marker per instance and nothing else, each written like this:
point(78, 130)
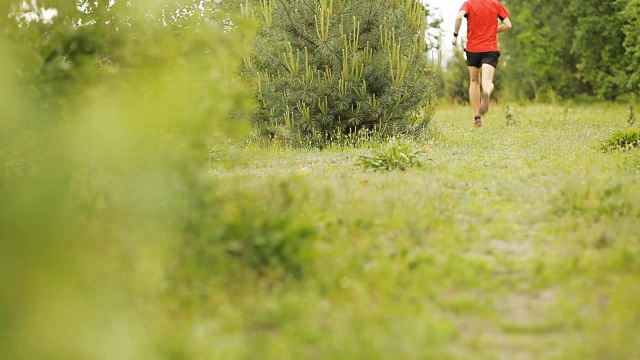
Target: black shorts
point(476, 59)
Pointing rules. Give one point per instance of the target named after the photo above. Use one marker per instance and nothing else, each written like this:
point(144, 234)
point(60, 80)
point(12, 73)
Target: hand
point(454, 41)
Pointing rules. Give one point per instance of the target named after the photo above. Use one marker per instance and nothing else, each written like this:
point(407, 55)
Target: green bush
point(394, 155)
point(327, 67)
point(622, 140)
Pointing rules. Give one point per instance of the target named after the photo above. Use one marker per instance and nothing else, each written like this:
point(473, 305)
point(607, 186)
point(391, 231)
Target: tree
point(89, 41)
point(538, 62)
point(572, 47)
point(599, 45)
point(630, 14)
point(328, 67)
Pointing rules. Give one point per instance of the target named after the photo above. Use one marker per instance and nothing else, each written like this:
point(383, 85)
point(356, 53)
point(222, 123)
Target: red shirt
point(482, 24)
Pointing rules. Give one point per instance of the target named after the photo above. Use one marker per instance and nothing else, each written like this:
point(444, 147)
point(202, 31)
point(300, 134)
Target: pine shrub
point(329, 67)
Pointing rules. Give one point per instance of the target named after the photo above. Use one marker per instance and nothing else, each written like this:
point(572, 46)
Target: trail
point(516, 173)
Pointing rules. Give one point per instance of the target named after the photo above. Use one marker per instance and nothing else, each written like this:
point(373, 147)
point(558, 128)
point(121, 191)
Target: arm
point(506, 25)
point(461, 16)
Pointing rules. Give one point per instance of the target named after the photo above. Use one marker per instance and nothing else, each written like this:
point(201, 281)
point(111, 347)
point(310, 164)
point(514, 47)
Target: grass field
point(511, 242)
point(517, 240)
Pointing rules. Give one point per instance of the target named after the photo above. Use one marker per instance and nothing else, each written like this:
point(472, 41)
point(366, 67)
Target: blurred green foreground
point(104, 131)
point(119, 239)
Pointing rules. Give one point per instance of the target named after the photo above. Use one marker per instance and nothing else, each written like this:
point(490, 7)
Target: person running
point(482, 48)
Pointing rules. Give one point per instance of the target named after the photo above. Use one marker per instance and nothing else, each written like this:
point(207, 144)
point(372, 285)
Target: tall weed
point(396, 154)
point(622, 140)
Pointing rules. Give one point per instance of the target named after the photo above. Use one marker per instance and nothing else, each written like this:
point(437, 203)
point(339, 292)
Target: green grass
point(516, 241)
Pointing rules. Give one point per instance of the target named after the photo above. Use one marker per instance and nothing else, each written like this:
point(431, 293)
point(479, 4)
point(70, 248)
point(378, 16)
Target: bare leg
point(487, 86)
point(474, 89)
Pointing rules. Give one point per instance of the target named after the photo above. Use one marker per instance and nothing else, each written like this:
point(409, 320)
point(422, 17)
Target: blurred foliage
point(328, 67)
point(106, 115)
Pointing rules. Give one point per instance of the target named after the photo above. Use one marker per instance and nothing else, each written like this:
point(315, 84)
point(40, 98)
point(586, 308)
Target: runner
point(482, 48)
